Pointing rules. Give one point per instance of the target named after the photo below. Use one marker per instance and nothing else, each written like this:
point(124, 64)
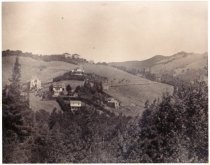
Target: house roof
point(57, 86)
point(75, 103)
point(112, 100)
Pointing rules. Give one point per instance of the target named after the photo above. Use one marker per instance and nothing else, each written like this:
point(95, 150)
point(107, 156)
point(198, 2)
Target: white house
point(78, 71)
point(75, 104)
point(35, 84)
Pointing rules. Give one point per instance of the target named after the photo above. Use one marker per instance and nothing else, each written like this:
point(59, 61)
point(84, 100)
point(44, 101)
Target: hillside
point(45, 71)
point(181, 64)
point(132, 97)
point(140, 64)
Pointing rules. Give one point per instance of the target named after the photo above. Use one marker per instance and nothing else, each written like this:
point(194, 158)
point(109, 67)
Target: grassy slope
point(181, 61)
point(132, 97)
point(140, 64)
point(45, 71)
point(178, 64)
point(36, 103)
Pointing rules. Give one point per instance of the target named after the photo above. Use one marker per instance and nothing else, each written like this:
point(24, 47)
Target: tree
point(15, 85)
point(87, 84)
point(176, 129)
point(97, 86)
point(11, 104)
point(100, 86)
point(17, 118)
point(77, 89)
point(51, 90)
point(68, 89)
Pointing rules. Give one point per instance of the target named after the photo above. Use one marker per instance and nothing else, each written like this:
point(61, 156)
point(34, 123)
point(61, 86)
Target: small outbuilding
point(113, 103)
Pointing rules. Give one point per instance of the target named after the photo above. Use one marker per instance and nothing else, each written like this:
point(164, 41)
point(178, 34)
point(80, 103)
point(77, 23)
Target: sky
point(106, 31)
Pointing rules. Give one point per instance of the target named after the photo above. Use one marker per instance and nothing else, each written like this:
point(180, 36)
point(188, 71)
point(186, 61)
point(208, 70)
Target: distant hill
point(140, 64)
point(185, 65)
point(132, 97)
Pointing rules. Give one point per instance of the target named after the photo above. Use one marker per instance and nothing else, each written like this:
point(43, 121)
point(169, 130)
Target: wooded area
point(174, 129)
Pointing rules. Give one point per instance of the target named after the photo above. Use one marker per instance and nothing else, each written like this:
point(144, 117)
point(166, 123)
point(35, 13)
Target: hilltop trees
point(53, 57)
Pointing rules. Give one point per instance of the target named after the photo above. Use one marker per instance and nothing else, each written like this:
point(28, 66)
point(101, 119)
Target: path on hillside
point(116, 85)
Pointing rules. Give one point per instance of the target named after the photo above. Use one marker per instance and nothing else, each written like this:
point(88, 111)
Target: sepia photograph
point(105, 82)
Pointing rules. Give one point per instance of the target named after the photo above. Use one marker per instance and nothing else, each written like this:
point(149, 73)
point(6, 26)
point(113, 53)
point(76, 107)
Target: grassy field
point(132, 97)
point(36, 103)
point(45, 71)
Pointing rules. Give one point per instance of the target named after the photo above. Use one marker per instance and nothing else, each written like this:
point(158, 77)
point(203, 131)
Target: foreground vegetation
point(174, 129)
